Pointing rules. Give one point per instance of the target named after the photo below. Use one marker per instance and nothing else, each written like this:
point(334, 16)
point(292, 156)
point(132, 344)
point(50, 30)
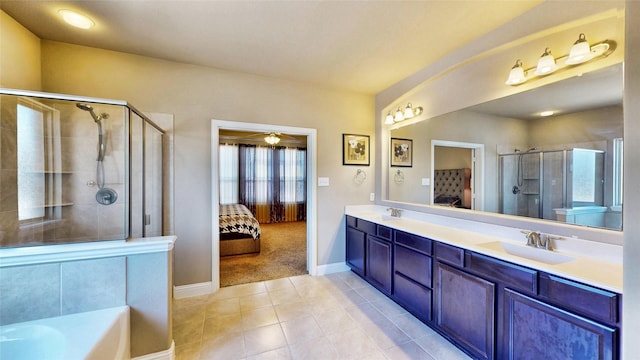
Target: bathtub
point(100, 334)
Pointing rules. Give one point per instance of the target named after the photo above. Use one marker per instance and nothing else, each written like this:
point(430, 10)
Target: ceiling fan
point(271, 138)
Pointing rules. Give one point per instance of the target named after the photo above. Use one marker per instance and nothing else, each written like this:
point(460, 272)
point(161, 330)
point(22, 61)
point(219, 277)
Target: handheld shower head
point(89, 108)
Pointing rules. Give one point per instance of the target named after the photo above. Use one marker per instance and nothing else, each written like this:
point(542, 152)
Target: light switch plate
point(372, 197)
point(323, 181)
point(426, 181)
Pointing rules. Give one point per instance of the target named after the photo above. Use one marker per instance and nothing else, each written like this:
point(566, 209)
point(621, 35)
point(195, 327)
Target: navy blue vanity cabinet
point(464, 309)
point(537, 330)
point(356, 245)
point(369, 252)
point(379, 263)
point(412, 277)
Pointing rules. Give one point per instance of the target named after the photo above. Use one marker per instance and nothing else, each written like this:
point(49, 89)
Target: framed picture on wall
point(355, 149)
point(401, 152)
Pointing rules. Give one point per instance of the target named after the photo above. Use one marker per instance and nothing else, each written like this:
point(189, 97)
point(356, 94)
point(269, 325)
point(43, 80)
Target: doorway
point(476, 165)
point(311, 209)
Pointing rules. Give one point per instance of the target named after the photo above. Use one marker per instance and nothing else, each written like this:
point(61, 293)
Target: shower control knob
point(106, 196)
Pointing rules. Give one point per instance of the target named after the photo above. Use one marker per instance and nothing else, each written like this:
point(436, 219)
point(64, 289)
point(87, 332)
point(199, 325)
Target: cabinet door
point(379, 263)
point(535, 330)
point(356, 250)
point(464, 308)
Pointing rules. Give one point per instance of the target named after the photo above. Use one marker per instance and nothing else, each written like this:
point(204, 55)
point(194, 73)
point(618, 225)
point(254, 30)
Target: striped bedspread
point(237, 219)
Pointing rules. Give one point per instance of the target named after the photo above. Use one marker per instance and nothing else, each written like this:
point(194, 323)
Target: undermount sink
point(527, 252)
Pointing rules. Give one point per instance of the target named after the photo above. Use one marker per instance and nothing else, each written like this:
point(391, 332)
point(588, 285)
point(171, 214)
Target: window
point(228, 164)
point(584, 176)
point(31, 163)
point(618, 165)
point(270, 181)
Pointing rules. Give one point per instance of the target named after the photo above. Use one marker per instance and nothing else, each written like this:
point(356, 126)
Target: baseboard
point(331, 268)
point(185, 291)
point(205, 288)
point(169, 354)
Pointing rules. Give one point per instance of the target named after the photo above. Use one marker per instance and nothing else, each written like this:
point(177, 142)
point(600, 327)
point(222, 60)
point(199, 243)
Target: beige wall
point(19, 56)
point(631, 298)
point(195, 95)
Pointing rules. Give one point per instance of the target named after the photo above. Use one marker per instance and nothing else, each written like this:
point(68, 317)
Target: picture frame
point(401, 152)
point(355, 149)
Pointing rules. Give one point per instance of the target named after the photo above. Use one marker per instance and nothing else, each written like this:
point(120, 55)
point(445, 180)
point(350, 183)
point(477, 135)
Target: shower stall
point(76, 169)
point(553, 185)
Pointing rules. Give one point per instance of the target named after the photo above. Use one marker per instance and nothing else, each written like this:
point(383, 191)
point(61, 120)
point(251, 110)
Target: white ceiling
point(363, 46)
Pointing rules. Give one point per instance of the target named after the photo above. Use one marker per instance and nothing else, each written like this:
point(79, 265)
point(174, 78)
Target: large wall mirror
point(503, 157)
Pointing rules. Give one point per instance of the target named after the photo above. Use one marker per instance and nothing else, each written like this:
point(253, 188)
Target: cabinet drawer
point(592, 302)
point(413, 265)
point(510, 275)
point(414, 242)
point(351, 221)
point(366, 226)
point(413, 296)
point(384, 232)
point(449, 254)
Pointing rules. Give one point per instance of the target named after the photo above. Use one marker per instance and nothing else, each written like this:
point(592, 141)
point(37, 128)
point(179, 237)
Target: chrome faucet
point(539, 240)
point(533, 238)
point(395, 212)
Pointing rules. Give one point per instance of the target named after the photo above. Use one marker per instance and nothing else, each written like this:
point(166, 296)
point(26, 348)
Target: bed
point(239, 231)
point(452, 187)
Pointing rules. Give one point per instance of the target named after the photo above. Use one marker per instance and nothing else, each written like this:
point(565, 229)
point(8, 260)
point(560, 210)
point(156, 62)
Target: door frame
point(312, 197)
point(477, 169)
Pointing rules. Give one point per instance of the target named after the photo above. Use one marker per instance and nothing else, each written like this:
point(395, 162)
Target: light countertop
point(592, 263)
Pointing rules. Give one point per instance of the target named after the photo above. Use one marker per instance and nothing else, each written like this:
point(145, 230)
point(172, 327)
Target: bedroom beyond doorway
point(283, 254)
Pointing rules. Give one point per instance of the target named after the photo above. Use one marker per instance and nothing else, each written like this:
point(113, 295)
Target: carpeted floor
point(283, 253)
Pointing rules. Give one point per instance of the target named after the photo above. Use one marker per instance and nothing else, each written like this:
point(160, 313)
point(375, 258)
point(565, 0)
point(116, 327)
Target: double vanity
point(481, 287)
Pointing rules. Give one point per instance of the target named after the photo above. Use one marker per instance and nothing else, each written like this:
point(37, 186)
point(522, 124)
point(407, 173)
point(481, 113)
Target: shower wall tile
point(12, 234)
point(111, 220)
point(8, 148)
point(79, 153)
point(8, 190)
point(92, 284)
point(76, 190)
point(29, 293)
point(81, 223)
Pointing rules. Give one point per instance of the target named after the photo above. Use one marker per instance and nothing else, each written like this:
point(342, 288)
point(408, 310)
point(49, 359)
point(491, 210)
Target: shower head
point(532, 149)
point(89, 108)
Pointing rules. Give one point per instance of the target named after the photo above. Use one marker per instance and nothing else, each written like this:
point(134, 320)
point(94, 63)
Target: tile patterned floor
point(337, 316)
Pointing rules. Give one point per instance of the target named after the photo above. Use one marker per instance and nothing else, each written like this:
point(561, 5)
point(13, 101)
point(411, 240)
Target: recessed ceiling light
point(546, 113)
point(74, 19)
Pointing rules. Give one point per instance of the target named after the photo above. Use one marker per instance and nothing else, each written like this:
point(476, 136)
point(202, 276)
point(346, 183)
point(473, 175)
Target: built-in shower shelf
point(56, 205)
point(50, 172)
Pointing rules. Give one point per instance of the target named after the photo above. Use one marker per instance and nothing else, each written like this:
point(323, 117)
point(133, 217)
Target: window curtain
point(271, 182)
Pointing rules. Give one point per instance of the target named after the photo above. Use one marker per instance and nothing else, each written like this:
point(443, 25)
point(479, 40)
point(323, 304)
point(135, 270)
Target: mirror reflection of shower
point(520, 172)
point(105, 196)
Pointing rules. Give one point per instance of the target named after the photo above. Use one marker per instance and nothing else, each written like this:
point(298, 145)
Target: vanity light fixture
point(516, 75)
point(400, 115)
point(75, 19)
point(272, 139)
point(580, 52)
point(546, 64)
